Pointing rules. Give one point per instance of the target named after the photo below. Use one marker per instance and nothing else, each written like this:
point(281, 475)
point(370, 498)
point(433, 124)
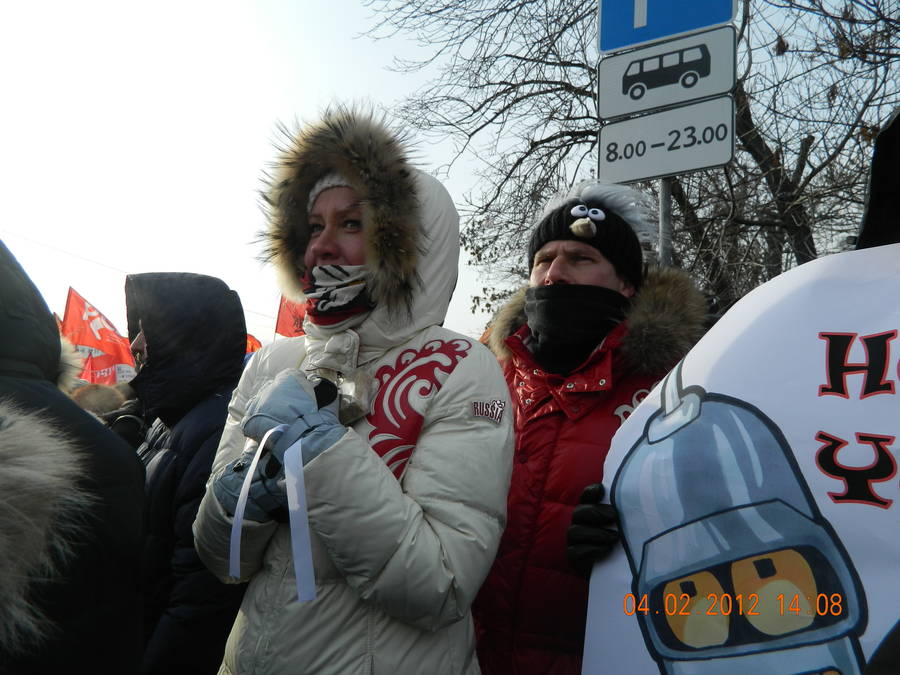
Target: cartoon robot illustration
point(735, 569)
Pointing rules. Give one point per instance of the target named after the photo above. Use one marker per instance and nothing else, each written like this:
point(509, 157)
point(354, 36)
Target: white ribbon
point(304, 573)
point(301, 549)
point(234, 553)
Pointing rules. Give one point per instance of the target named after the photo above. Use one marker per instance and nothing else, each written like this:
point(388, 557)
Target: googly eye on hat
point(595, 214)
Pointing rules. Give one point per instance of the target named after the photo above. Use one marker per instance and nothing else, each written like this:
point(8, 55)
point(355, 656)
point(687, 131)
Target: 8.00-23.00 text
point(686, 137)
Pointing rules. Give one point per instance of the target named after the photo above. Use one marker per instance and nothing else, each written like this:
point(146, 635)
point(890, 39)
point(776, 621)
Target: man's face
point(564, 261)
point(139, 349)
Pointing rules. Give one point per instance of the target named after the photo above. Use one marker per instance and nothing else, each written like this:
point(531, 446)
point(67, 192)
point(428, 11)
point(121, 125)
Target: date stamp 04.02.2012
point(726, 604)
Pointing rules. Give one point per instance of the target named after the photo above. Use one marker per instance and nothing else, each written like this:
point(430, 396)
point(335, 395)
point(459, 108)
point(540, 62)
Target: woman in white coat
point(406, 483)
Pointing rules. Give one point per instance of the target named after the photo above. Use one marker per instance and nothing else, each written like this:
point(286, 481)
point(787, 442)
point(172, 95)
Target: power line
point(265, 316)
point(100, 264)
point(69, 253)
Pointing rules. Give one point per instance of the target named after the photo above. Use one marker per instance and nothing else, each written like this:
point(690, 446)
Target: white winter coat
point(397, 561)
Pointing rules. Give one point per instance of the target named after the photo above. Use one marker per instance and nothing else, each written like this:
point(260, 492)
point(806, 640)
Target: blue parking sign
point(626, 23)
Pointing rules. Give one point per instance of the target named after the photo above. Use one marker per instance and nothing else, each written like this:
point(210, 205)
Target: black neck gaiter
point(568, 321)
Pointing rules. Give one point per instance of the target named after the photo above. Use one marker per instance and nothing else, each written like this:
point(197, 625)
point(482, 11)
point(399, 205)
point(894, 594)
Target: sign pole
point(665, 222)
point(599, 118)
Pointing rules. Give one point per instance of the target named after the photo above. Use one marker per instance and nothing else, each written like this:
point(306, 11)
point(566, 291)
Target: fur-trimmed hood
point(665, 320)
point(409, 220)
point(31, 345)
point(41, 505)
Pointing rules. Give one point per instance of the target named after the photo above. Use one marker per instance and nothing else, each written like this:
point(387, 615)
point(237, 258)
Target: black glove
point(591, 536)
point(129, 422)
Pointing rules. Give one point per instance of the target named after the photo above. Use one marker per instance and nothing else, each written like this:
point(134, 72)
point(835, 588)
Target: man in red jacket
point(581, 346)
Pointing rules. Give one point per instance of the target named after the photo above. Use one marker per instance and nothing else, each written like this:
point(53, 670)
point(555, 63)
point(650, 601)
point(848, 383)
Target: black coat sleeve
point(194, 610)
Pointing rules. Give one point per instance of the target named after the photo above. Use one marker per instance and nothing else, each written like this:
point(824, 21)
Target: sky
point(134, 137)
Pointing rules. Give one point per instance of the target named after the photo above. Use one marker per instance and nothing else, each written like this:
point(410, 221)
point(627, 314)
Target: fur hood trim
point(70, 367)
point(665, 320)
point(371, 157)
point(40, 512)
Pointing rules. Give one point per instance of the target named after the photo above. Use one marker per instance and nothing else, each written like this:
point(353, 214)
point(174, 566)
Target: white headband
point(331, 179)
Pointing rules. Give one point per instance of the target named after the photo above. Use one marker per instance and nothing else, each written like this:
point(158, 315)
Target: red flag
point(252, 344)
point(108, 354)
point(87, 369)
point(105, 369)
point(290, 318)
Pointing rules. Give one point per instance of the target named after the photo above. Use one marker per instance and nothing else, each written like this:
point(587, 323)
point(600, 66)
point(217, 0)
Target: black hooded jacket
point(196, 340)
point(880, 225)
point(66, 482)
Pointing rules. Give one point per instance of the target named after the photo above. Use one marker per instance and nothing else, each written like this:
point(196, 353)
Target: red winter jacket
point(530, 613)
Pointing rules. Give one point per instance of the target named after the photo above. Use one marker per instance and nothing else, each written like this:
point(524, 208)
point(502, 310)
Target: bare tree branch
point(515, 87)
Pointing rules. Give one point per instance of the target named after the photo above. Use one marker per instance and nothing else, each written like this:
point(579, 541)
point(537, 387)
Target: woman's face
point(336, 229)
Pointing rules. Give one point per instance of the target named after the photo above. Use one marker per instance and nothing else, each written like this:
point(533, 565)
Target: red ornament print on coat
point(404, 391)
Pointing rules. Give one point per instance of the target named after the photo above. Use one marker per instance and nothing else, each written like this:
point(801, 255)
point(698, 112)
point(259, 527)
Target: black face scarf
point(569, 321)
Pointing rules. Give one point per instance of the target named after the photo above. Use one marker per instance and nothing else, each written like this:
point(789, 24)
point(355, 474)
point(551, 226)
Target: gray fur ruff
point(70, 367)
point(665, 320)
point(373, 160)
point(41, 510)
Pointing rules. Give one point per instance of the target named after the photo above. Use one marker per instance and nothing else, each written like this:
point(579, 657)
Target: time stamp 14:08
point(725, 604)
point(676, 139)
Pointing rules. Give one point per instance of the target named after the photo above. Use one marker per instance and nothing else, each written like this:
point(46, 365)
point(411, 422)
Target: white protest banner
point(757, 488)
